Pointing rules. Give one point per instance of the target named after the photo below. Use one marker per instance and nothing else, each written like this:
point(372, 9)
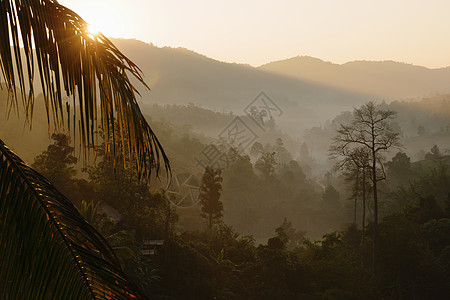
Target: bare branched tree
point(371, 130)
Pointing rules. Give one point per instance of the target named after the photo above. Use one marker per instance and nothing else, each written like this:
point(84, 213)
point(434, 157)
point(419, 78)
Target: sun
point(93, 30)
point(101, 19)
point(97, 25)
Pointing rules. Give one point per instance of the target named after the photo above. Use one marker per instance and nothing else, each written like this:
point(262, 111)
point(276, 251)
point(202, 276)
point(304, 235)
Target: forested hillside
point(288, 225)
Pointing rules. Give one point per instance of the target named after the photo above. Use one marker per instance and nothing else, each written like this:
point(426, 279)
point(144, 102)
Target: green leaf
point(44, 35)
point(47, 249)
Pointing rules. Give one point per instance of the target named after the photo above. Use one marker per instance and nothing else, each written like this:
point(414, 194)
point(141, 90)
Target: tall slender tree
point(356, 168)
point(212, 207)
point(370, 128)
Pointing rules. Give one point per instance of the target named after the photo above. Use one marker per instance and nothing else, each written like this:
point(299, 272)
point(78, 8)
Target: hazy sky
point(257, 32)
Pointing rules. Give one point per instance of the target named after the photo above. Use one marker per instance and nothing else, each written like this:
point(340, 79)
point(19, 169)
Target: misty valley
point(134, 171)
point(260, 207)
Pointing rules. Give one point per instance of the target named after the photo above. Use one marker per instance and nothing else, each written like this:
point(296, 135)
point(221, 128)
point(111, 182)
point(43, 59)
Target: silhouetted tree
point(399, 169)
point(212, 207)
point(356, 168)
point(355, 165)
point(57, 165)
point(57, 161)
point(370, 128)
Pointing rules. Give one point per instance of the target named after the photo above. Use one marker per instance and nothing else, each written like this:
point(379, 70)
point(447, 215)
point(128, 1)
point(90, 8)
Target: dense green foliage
point(414, 258)
point(288, 229)
point(47, 248)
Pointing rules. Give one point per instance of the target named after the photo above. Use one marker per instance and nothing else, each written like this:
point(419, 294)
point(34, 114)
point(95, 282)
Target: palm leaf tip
point(45, 37)
point(47, 249)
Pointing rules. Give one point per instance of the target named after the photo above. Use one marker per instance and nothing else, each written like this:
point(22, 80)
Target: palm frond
point(47, 250)
point(45, 37)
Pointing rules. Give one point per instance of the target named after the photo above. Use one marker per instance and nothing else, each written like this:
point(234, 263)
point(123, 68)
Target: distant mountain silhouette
point(387, 79)
point(181, 76)
point(308, 90)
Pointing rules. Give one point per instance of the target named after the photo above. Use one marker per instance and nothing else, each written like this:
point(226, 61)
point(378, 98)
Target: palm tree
point(47, 250)
point(121, 241)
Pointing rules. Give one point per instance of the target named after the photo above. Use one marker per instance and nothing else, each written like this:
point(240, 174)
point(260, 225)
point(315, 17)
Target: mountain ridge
point(387, 79)
point(312, 58)
point(309, 91)
point(179, 76)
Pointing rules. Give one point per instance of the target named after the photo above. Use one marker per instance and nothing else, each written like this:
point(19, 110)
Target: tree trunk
point(363, 213)
point(356, 195)
point(210, 224)
point(375, 216)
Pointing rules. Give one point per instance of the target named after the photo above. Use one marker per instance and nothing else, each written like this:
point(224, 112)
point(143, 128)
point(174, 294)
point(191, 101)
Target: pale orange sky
point(257, 32)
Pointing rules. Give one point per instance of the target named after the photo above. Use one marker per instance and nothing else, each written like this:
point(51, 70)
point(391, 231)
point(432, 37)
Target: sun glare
point(93, 30)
